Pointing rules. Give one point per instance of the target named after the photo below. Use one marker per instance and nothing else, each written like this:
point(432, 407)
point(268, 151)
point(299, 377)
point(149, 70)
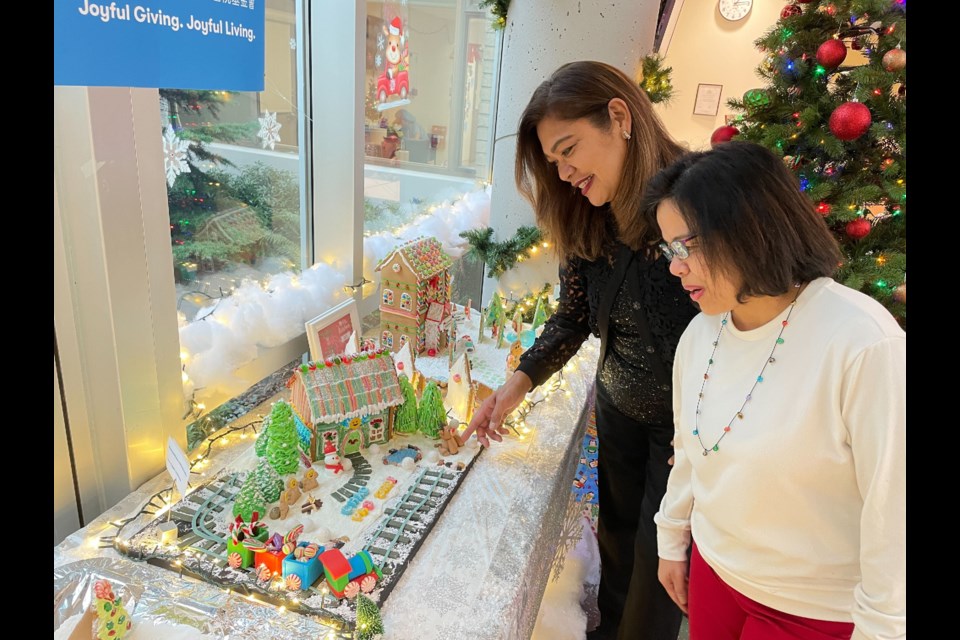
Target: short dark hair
point(749, 215)
point(583, 89)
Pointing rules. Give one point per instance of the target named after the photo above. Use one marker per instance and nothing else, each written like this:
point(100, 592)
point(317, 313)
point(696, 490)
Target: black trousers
point(632, 475)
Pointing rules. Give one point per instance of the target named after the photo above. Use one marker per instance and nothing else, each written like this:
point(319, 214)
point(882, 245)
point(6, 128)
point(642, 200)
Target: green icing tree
point(495, 311)
point(540, 313)
point(268, 481)
point(369, 622)
point(834, 108)
point(431, 416)
point(282, 447)
point(260, 446)
point(249, 500)
point(406, 417)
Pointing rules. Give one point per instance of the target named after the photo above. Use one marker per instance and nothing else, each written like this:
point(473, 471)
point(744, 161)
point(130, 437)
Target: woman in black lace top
point(587, 143)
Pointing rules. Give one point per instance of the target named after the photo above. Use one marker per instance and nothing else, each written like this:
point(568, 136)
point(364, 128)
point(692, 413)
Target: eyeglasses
point(677, 248)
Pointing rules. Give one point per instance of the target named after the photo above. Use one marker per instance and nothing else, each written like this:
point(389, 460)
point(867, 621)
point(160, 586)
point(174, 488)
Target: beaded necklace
point(706, 376)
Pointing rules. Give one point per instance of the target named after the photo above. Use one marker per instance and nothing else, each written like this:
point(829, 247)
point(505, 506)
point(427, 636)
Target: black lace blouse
point(626, 374)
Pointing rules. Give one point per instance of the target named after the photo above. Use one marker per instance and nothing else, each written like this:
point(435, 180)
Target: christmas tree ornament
point(894, 60)
point(795, 91)
point(723, 134)
point(856, 44)
point(900, 293)
point(769, 63)
point(790, 10)
point(858, 229)
point(850, 120)
point(756, 98)
point(902, 91)
point(830, 9)
point(831, 53)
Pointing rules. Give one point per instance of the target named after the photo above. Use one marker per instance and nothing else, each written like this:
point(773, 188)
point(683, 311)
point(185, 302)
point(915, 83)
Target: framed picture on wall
point(708, 99)
point(331, 332)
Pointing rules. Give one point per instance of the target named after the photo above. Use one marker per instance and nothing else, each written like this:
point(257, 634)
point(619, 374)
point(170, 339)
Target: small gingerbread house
point(348, 400)
point(415, 296)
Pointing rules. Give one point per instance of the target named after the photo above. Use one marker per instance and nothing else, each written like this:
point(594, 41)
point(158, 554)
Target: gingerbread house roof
point(424, 256)
point(344, 387)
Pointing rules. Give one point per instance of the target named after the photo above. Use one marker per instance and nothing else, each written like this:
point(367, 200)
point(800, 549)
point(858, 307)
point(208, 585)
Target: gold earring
point(625, 134)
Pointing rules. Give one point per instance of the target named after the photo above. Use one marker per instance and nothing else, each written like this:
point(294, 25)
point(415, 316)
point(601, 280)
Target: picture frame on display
point(708, 99)
point(332, 332)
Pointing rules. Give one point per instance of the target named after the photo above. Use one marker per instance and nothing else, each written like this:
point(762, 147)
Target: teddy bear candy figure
point(450, 441)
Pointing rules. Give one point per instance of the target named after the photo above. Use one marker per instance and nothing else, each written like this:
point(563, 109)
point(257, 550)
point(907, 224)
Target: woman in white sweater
point(784, 515)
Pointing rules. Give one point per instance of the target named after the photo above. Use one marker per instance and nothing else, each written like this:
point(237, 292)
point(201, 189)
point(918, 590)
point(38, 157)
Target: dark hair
point(749, 215)
point(583, 90)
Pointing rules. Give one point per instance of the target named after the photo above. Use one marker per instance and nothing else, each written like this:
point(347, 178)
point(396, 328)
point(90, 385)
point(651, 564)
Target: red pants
point(717, 612)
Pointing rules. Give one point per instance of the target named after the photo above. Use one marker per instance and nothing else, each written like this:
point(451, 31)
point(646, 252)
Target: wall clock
point(735, 9)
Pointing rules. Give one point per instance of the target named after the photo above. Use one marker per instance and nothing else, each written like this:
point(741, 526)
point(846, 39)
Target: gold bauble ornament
point(900, 293)
point(894, 60)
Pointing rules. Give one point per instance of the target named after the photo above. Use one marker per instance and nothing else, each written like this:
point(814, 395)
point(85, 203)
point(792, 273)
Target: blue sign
point(173, 44)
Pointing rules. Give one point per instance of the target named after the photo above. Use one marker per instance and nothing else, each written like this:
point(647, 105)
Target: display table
point(481, 572)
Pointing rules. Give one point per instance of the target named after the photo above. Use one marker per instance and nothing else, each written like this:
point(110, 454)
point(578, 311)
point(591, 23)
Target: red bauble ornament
point(858, 229)
point(790, 10)
point(894, 60)
point(831, 53)
point(723, 134)
point(850, 120)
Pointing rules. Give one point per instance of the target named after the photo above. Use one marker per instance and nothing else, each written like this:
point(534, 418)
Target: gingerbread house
point(415, 297)
point(348, 400)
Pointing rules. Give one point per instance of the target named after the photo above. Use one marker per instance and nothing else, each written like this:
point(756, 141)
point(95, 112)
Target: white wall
point(706, 48)
point(537, 40)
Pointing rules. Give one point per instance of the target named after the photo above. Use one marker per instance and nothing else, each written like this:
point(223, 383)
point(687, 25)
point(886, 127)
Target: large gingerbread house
point(348, 400)
point(415, 296)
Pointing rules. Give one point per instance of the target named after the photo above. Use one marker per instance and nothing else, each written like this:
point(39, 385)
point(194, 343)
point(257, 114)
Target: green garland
point(655, 79)
point(528, 304)
point(499, 9)
point(500, 256)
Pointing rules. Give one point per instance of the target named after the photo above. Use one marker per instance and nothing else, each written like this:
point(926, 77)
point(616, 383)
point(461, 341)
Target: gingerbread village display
point(354, 464)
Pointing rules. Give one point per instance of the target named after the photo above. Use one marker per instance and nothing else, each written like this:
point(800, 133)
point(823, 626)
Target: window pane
point(235, 205)
point(430, 95)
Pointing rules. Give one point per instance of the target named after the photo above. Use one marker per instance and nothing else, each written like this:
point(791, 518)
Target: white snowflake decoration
point(380, 42)
point(174, 155)
point(269, 129)
point(378, 60)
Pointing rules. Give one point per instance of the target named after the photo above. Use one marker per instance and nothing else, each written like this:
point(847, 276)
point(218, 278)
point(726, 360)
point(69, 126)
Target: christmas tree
point(835, 109)
point(268, 481)
point(406, 418)
point(282, 449)
point(249, 500)
point(431, 416)
point(369, 622)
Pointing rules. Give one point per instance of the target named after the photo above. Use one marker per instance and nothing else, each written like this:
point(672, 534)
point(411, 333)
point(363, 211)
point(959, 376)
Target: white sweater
point(803, 507)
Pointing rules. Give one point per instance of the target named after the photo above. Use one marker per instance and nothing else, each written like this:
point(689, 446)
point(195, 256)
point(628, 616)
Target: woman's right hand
point(673, 577)
point(488, 419)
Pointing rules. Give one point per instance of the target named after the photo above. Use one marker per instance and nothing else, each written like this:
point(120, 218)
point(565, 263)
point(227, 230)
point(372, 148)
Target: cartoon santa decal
point(330, 458)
